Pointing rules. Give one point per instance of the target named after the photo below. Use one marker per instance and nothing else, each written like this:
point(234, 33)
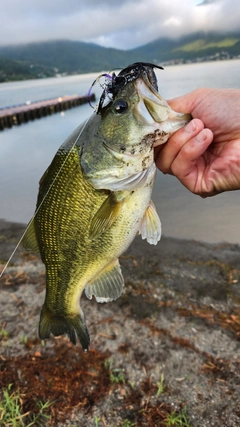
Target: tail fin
point(59, 325)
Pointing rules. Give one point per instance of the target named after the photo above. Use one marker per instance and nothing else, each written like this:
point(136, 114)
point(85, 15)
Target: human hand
point(205, 154)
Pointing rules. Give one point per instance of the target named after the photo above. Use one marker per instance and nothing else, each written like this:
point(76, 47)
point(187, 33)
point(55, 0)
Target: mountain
point(63, 56)
point(198, 46)
point(66, 56)
point(22, 70)
point(70, 57)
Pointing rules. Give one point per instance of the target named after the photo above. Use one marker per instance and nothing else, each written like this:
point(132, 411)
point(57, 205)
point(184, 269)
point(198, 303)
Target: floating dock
point(19, 114)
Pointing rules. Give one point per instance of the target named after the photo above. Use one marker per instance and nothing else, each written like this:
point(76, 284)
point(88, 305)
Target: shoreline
point(178, 319)
point(167, 63)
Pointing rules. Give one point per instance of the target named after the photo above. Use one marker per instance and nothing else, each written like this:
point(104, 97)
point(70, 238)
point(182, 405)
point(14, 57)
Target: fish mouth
point(154, 110)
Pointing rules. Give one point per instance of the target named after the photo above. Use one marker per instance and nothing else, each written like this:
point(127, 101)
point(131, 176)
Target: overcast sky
point(123, 24)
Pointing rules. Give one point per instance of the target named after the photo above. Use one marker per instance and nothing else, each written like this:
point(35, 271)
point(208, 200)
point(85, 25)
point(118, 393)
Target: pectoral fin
point(150, 227)
point(29, 240)
point(106, 215)
point(108, 285)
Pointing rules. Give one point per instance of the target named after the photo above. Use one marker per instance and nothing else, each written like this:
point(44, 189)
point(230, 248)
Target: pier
point(19, 114)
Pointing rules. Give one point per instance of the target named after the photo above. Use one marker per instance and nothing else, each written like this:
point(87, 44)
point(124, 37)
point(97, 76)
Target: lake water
point(27, 150)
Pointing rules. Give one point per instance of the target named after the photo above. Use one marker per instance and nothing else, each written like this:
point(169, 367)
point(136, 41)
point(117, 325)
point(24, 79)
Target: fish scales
point(63, 224)
point(96, 196)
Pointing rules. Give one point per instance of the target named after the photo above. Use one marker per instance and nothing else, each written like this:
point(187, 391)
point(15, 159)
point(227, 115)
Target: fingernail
point(201, 136)
point(190, 127)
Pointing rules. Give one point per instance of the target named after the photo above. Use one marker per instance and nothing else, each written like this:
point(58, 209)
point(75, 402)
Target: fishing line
point(18, 244)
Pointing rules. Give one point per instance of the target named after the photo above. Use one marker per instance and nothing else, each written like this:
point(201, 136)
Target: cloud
point(122, 24)
point(204, 2)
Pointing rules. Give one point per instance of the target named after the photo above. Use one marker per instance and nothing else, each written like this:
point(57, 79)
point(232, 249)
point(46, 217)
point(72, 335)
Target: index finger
point(170, 150)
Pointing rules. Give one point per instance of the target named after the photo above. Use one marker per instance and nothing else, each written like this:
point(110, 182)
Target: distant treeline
point(47, 59)
point(11, 70)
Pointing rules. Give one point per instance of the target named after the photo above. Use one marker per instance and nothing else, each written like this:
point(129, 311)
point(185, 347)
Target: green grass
point(116, 374)
point(96, 420)
point(201, 44)
point(12, 414)
point(24, 339)
point(4, 335)
point(127, 423)
point(178, 419)
point(160, 385)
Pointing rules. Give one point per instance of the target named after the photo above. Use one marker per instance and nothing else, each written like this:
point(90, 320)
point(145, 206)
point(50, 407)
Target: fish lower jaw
point(160, 137)
point(168, 128)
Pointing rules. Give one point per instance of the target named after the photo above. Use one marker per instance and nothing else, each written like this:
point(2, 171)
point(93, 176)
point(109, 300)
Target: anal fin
point(108, 285)
point(150, 227)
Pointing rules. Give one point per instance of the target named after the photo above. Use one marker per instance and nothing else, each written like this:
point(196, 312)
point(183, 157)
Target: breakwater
point(19, 114)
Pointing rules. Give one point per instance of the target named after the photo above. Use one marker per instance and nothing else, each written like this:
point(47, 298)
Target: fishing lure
point(113, 83)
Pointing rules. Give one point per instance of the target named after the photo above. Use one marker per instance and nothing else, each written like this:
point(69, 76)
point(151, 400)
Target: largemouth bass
point(96, 196)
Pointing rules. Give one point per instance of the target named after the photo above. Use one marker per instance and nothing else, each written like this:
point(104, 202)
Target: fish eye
point(120, 106)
